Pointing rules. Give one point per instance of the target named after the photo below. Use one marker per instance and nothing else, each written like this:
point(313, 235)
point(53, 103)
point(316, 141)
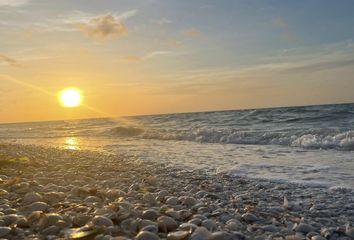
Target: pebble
point(172, 201)
point(209, 224)
point(188, 226)
point(81, 219)
point(318, 237)
point(220, 236)
point(102, 221)
point(162, 194)
point(179, 235)
point(3, 193)
point(52, 230)
point(22, 222)
point(304, 228)
point(4, 231)
point(52, 199)
point(166, 224)
point(151, 228)
point(31, 198)
point(92, 199)
point(201, 233)
point(270, 228)
point(39, 206)
point(189, 201)
point(249, 217)
point(149, 198)
point(150, 214)
point(145, 235)
point(9, 219)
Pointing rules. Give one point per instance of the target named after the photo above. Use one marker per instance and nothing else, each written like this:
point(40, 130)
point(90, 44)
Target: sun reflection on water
point(71, 143)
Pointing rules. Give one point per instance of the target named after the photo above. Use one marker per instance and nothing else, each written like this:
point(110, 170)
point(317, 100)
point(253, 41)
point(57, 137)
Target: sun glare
point(70, 97)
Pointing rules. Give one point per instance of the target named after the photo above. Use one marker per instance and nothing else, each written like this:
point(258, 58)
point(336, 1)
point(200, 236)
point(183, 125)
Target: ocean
point(311, 145)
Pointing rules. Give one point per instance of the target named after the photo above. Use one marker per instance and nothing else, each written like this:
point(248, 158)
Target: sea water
point(311, 144)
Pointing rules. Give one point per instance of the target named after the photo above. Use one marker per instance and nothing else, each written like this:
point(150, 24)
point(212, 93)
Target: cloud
point(13, 3)
point(103, 27)
point(9, 61)
point(319, 66)
point(135, 58)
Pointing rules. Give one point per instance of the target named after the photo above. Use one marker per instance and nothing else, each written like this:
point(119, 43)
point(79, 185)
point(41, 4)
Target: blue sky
point(170, 56)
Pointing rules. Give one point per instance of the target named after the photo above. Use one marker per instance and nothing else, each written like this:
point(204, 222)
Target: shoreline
point(61, 194)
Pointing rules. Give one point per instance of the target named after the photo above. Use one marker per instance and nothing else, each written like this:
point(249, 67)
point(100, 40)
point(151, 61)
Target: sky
point(142, 57)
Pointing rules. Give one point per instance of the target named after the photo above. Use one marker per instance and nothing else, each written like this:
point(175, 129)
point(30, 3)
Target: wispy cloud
point(103, 27)
point(80, 16)
point(135, 58)
point(326, 58)
point(9, 61)
point(13, 3)
point(319, 66)
point(93, 24)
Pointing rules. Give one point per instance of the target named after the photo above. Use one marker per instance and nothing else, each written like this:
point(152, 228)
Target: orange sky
point(146, 57)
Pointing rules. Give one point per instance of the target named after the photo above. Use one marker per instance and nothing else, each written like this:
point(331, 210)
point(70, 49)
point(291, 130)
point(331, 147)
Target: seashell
point(172, 201)
point(22, 222)
point(3, 193)
point(9, 211)
point(39, 206)
point(149, 198)
point(220, 236)
point(179, 235)
point(209, 224)
point(34, 217)
point(349, 231)
point(102, 221)
point(249, 217)
point(31, 198)
point(304, 228)
point(53, 197)
point(187, 226)
point(184, 214)
point(144, 222)
point(162, 194)
point(52, 230)
point(129, 225)
point(150, 214)
point(92, 199)
point(49, 219)
point(114, 193)
point(144, 235)
point(151, 228)
point(200, 233)
point(9, 219)
point(173, 214)
point(189, 201)
point(81, 219)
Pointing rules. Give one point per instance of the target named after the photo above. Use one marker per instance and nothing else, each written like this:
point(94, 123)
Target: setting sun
point(70, 97)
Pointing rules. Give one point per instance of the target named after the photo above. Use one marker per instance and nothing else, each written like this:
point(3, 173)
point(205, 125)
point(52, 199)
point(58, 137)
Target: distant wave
point(124, 131)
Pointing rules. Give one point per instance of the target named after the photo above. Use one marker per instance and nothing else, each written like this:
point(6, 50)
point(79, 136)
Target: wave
point(309, 139)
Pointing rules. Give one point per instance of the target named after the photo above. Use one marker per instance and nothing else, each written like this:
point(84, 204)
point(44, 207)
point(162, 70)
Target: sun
point(70, 97)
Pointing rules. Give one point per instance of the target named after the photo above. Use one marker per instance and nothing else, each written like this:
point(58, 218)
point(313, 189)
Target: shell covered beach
point(50, 193)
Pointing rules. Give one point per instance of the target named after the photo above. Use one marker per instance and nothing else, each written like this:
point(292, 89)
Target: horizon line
point(175, 113)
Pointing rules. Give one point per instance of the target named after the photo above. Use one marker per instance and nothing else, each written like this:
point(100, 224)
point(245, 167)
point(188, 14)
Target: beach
point(52, 193)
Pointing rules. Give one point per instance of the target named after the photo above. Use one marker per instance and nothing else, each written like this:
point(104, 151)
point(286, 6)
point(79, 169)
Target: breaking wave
point(310, 139)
